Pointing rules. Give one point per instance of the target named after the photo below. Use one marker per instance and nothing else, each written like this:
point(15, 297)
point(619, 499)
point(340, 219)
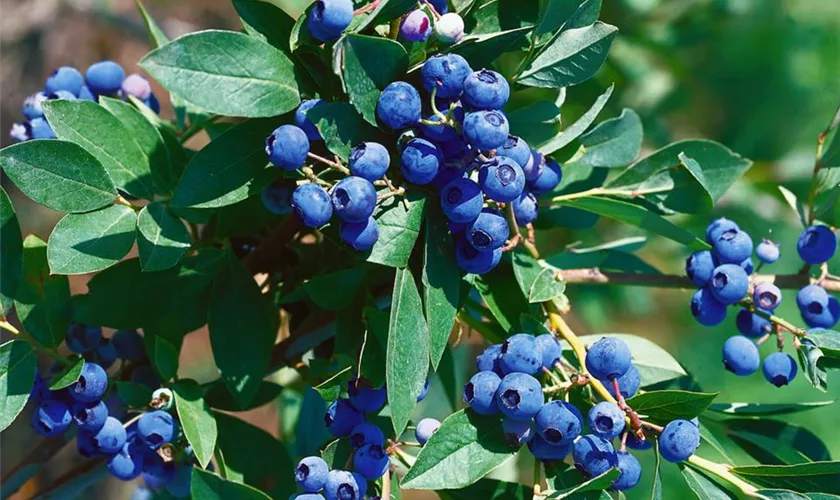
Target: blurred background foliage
point(760, 76)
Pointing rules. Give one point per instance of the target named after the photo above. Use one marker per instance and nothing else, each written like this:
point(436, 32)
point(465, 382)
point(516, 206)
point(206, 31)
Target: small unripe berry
point(449, 28)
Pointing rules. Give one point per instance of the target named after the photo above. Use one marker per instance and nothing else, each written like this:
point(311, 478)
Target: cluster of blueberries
point(465, 154)
point(506, 383)
point(722, 274)
point(103, 78)
point(130, 449)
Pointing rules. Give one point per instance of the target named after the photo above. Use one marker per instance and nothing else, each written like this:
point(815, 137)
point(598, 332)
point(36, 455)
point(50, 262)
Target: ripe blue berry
point(740, 355)
point(341, 485)
point(89, 416)
point(476, 261)
point(717, 227)
point(445, 175)
point(699, 267)
point(311, 474)
point(767, 296)
point(360, 236)
point(441, 6)
point(732, 246)
point(825, 318)
point(157, 473)
point(547, 452)
point(558, 422)
point(136, 85)
point(86, 444)
point(424, 392)
point(416, 26)
point(354, 199)
point(425, 429)
point(729, 283)
point(398, 106)
point(516, 149)
point(747, 265)
point(312, 204)
point(156, 428)
point(151, 103)
point(608, 358)
point(752, 325)
point(51, 418)
point(365, 398)
point(461, 200)
point(679, 440)
point(362, 483)
point(812, 298)
point(111, 437)
point(594, 455)
point(519, 396)
point(127, 464)
point(303, 121)
point(480, 392)
point(489, 231)
point(518, 432)
point(104, 77)
point(104, 355)
point(82, 338)
point(489, 359)
point(630, 470)
point(369, 160)
point(486, 130)
point(706, 309)
point(628, 384)
point(329, 18)
point(129, 345)
point(501, 179)
point(520, 353)
point(779, 368)
point(65, 78)
point(606, 420)
point(486, 89)
point(287, 147)
point(767, 251)
point(634, 443)
point(92, 384)
point(40, 129)
point(277, 196)
point(306, 496)
point(32, 105)
point(549, 177)
point(551, 350)
point(446, 73)
point(525, 208)
point(420, 161)
point(366, 433)
point(341, 418)
point(817, 244)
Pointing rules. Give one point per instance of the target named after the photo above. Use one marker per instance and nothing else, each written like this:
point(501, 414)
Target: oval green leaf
point(660, 407)
point(571, 57)
point(90, 242)
point(42, 301)
point(68, 375)
point(208, 486)
point(162, 238)
point(11, 254)
point(196, 419)
point(18, 363)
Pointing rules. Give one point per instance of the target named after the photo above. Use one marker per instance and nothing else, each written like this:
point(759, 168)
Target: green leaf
point(703, 487)
point(441, 282)
point(810, 357)
point(816, 477)
point(764, 409)
point(229, 169)
point(331, 389)
point(571, 57)
point(18, 367)
point(59, 175)
point(238, 306)
point(133, 394)
point(385, 11)
point(219, 397)
point(367, 65)
point(208, 486)
point(546, 287)
point(163, 345)
point(655, 364)
point(376, 346)
point(399, 225)
point(481, 50)
point(156, 35)
point(613, 143)
point(11, 254)
point(792, 495)
point(407, 357)
point(226, 73)
point(489, 489)
point(340, 126)
point(794, 204)
point(90, 242)
point(501, 15)
point(598, 483)
point(656, 490)
point(661, 407)
point(554, 14)
point(465, 449)
point(337, 453)
point(775, 442)
point(42, 301)
point(92, 127)
point(197, 421)
point(335, 290)
point(577, 128)
point(68, 375)
point(537, 122)
point(162, 238)
point(638, 216)
point(266, 22)
point(585, 15)
point(827, 340)
point(506, 302)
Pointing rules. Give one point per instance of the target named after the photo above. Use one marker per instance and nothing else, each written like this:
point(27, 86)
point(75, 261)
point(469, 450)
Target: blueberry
point(157, 473)
point(628, 384)
point(449, 28)
point(740, 355)
point(82, 338)
point(489, 359)
point(129, 345)
point(156, 428)
point(329, 18)
point(312, 205)
point(462, 200)
point(360, 236)
point(365, 398)
point(151, 103)
point(489, 231)
point(440, 133)
point(420, 161)
point(105, 354)
point(706, 309)
point(308, 496)
point(630, 470)
point(51, 418)
point(679, 440)
point(287, 147)
point(65, 78)
point(608, 358)
point(549, 177)
point(635, 443)
point(105, 77)
point(486, 130)
point(551, 350)
point(779, 368)
point(341, 418)
point(354, 199)
point(424, 392)
point(341, 485)
point(521, 353)
point(486, 89)
point(767, 296)
point(366, 433)
point(729, 283)
point(20, 132)
point(136, 85)
point(86, 444)
point(558, 422)
point(369, 160)
point(732, 246)
point(398, 106)
point(525, 208)
point(91, 385)
point(416, 26)
point(606, 420)
point(425, 429)
point(826, 318)
point(501, 179)
point(446, 73)
point(747, 265)
point(476, 261)
point(517, 150)
point(717, 227)
point(517, 432)
point(480, 392)
point(89, 416)
point(127, 464)
point(111, 437)
point(441, 6)
point(303, 121)
point(362, 483)
point(699, 267)
point(812, 298)
point(817, 244)
point(456, 150)
point(445, 175)
point(32, 105)
point(767, 251)
point(752, 325)
point(311, 474)
point(86, 95)
point(519, 396)
point(547, 452)
point(594, 455)
point(40, 129)
point(277, 196)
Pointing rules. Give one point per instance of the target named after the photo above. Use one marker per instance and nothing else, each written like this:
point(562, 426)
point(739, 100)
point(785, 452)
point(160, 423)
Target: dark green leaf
point(655, 364)
point(465, 448)
point(368, 65)
point(385, 11)
point(163, 345)
point(441, 282)
point(105, 137)
point(489, 489)
point(398, 229)
point(162, 238)
point(656, 490)
point(703, 487)
point(18, 365)
point(42, 301)
point(197, 421)
point(663, 406)
point(265, 21)
point(59, 175)
point(226, 73)
point(340, 126)
point(817, 477)
point(133, 394)
point(783, 495)
point(310, 432)
point(613, 143)
point(775, 442)
point(809, 359)
point(502, 15)
point(68, 375)
point(331, 389)
point(554, 14)
point(90, 242)
point(11, 254)
point(827, 340)
point(481, 50)
point(764, 409)
point(335, 290)
point(585, 15)
point(584, 485)
point(337, 453)
point(407, 357)
point(506, 302)
point(208, 486)
point(577, 128)
point(537, 122)
point(376, 345)
point(218, 396)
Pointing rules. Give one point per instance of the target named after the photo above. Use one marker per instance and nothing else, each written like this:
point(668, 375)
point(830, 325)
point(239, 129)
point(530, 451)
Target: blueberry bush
point(377, 184)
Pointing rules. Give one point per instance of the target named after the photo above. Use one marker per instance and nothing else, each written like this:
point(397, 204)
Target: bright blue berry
point(476, 261)
point(767, 296)
point(341, 418)
point(606, 420)
point(129, 345)
point(630, 470)
point(341, 485)
point(425, 391)
point(362, 483)
point(420, 161)
point(32, 105)
point(488, 231)
point(111, 437)
point(551, 350)
point(287, 147)
point(303, 121)
point(767, 251)
point(549, 177)
point(51, 418)
point(369, 160)
point(752, 325)
point(329, 18)
point(127, 464)
point(717, 227)
point(82, 338)
point(480, 392)
point(501, 179)
point(608, 358)
point(519, 396)
point(520, 353)
point(156, 428)
point(817, 244)
point(354, 199)
point(360, 236)
point(525, 208)
point(137, 86)
point(706, 309)
point(89, 416)
point(732, 246)
point(425, 429)
point(489, 359)
point(779, 368)
point(517, 432)
point(679, 440)
point(86, 95)
point(558, 422)
point(365, 398)
point(594, 455)
point(740, 355)
point(699, 267)
point(825, 318)
point(92, 384)
point(461, 200)
point(486, 89)
point(311, 474)
point(312, 204)
point(40, 129)
point(628, 384)
point(446, 73)
point(366, 433)
point(812, 298)
point(416, 26)
point(547, 452)
point(399, 106)
point(277, 196)
point(729, 283)
point(105, 77)
point(65, 78)
point(516, 149)
point(486, 130)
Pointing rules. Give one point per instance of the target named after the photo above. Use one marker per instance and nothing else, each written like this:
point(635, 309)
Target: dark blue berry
point(476, 261)
point(354, 199)
point(631, 472)
point(740, 355)
point(399, 106)
point(608, 358)
point(446, 73)
point(360, 236)
point(91, 385)
point(486, 130)
point(628, 384)
point(525, 208)
point(519, 396)
point(706, 309)
point(311, 474)
point(365, 398)
point(699, 267)
point(127, 464)
point(729, 283)
point(366, 433)
point(461, 200)
point(65, 78)
point(521, 353)
point(489, 231)
point(486, 89)
point(369, 160)
point(547, 452)
point(752, 325)
point(51, 418)
point(287, 147)
point(480, 392)
point(606, 420)
point(558, 422)
point(732, 246)
point(549, 177)
point(717, 227)
point(341, 417)
point(518, 432)
point(329, 18)
point(303, 121)
point(817, 244)
point(420, 161)
point(89, 416)
point(312, 205)
point(594, 455)
point(111, 437)
point(371, 461)
point(551, 350)
point(105, 77)
point(679, 440)
point(156, 428)
point(501, 179)
point(779, 368)
point(129, 344)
